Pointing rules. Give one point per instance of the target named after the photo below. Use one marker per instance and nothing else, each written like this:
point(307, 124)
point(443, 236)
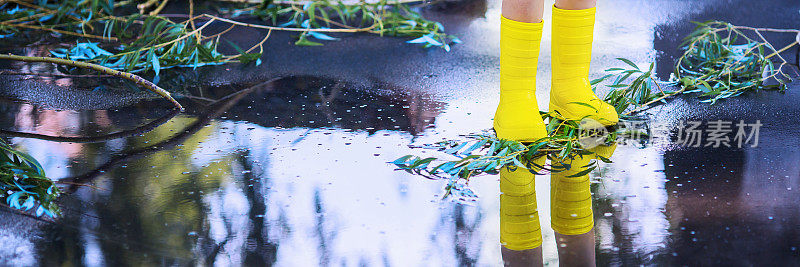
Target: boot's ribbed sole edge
point(517, 134)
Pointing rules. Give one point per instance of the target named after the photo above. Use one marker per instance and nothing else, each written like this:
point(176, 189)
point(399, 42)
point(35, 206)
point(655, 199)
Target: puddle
point(224, 183)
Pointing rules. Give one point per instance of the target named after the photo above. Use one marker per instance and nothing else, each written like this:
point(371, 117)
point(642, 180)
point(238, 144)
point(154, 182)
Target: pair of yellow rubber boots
point(517, 118)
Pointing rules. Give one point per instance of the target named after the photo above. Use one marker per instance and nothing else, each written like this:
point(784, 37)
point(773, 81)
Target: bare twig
point(647, 105)
point(212, 18)
point(159, 8)
point(8, 72)
point(59, 31)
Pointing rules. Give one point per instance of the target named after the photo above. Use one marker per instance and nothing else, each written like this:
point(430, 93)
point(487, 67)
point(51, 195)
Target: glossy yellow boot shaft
point(517, 117)
point(571, 49)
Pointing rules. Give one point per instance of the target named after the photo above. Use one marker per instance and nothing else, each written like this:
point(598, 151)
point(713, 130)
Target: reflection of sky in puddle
point(315, 195)
point(631, 201)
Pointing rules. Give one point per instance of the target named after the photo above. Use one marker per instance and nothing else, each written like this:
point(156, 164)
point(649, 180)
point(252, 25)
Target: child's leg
point(576, 4)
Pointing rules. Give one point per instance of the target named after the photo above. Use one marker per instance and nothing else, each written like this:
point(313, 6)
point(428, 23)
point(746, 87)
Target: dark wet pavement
point(289, 168)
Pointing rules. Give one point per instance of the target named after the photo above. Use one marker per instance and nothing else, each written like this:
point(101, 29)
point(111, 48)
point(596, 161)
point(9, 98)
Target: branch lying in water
point(104, 70)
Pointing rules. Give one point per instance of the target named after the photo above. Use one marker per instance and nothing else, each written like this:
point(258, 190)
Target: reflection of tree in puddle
point(148, 202)
point(629, 209)
point(151, 215)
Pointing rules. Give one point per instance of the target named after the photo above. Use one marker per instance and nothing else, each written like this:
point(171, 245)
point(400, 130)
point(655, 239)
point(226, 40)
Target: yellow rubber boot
point(571, 197)
point(519, 218)
point(517, 117)
point(571, 49)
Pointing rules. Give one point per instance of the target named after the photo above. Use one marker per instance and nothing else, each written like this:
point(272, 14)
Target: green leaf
point(402, 160)
point(598, 80)
point(454, 150)
point(421, 164)
point(518, 163)
point(583, 104)
point(305, 42)
point(628, 62)
point(477, 145)
point(156, 64)
point(603, 159)
point(583, 172)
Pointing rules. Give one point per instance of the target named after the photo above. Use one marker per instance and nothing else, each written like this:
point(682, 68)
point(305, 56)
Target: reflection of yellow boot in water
point(571, 50)
point(571, 197)
point(517, 117)
point(519, 219)
point(571, 200)
point(571, 211)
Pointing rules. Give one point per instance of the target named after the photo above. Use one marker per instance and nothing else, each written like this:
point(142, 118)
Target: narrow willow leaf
point(583, 172)
point(583, 104)
point(305, 42)
point(627, 61)
point(402, 159)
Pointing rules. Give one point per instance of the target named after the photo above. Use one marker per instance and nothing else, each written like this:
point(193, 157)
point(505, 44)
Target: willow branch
point(647, 105)
point(159, 8)
point(104, 70)
point(257, 26)
point(8, 72)
point(305, 2)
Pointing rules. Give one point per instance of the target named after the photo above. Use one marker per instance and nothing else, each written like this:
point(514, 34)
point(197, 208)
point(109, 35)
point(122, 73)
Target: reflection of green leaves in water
point(23, 184)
